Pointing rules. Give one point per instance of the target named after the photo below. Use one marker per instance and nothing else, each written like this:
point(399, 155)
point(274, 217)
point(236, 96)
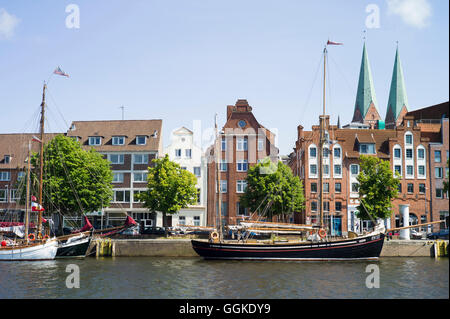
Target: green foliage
point(377, 188)
point(75, 180)
point(270, 182)
point(170, 188)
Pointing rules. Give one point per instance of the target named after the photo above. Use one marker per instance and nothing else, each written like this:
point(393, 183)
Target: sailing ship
point(318, 245)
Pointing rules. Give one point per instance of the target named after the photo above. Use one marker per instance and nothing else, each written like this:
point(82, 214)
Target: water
point(193, 278)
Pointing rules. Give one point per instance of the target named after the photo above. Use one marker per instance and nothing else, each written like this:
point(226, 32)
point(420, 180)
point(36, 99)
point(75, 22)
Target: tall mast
point(321, 141)
point(219, 191)
point(27, 201)
point(41, 160)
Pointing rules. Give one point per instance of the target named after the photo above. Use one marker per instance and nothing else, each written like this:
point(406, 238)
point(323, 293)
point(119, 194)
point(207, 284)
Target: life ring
point(46, 237)
point(214, 235)
point(31, 237)
point(322, 233)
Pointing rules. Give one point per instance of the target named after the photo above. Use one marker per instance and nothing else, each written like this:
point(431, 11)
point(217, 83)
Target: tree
point(273, 185)
point(170, 188)
point(75, 181)
point(377, 188)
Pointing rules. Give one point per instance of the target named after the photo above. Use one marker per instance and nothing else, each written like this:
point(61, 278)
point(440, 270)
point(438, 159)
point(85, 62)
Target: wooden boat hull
point(31, 252)
point(367, 247)
point(75, 249)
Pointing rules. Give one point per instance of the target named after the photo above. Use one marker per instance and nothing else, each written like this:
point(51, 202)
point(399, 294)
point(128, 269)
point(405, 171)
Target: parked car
point(442, 234)
point(154, 231)
point(130, 231)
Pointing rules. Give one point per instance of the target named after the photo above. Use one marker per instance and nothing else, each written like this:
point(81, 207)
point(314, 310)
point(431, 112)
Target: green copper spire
point(365, 95)
point(397, 94)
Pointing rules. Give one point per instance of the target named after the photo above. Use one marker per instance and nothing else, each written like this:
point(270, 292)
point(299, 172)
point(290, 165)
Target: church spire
point(366, 109)
point(398, 102)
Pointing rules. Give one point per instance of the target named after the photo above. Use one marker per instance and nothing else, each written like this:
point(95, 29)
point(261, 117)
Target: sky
point(184, 61)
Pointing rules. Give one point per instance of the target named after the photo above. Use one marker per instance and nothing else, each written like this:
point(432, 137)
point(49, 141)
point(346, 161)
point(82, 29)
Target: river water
point(194, 278)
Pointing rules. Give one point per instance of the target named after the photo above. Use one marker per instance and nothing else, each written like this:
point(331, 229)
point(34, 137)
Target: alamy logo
point(373, 19)
point(73, 19)
point(373, 280)
point(73, 280)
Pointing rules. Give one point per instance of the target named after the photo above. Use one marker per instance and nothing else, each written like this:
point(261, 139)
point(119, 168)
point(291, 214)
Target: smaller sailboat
point(28, 248)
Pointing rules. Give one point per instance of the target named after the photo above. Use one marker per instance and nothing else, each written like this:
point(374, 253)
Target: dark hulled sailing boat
point(368, 246)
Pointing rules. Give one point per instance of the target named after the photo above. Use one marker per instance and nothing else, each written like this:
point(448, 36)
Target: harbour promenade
point(183, 248)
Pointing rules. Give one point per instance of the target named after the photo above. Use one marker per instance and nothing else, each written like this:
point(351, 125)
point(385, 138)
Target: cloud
point(413, 12)
point(8, 24)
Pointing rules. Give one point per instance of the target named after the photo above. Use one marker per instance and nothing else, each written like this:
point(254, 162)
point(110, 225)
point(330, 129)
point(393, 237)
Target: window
point(241, 210)
point(438, 172)
point(408, 139)
point(337, 152)
point(140, 176)
point(241, 144)
point(355, 187)
point(15, 196)
point(116, 158)
point(421, 170)
point(20, 175)
point(260, 144)
point(367, 148)
point(224, 144)
point(354, 169)
point(242, 166)
point(141, 140)
point(398, 169)
point(183, 168)
point(199, 198)
point(95, 140)
point(178, 152)
point(241, 186)
point(326, 169)
point(409, 153)
point(313, 187)
point(410, 188)
point(117, 178)
point(196, 220)
point(188, 153)
point(313, 152)
point(422, 188)
point(399, 188)
point(337, 170)
point(420, 153)
point(121, 196)
point(5, 176)
point(338, 206)
point(439, 193)
point(326, 187)
point(313, 169)
point(223, 165)
point(135, 196)
point(314, 206)
point(7, 159)
point(140, 158)
point(337, 187)
point(325, 153)
point(197, 171)
point(3, 195)
point(397, 153)
point(326, 206)
point(118, 140)
point(223, 186)
point(409, 170)
point(437, 156)
point(182, 220)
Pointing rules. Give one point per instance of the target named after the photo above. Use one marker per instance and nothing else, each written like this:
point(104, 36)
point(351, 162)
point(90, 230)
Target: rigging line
point(57, 107)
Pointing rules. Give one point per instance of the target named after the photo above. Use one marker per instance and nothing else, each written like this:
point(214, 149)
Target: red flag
point(60, 72)
point(36, 139)
point(334, 43)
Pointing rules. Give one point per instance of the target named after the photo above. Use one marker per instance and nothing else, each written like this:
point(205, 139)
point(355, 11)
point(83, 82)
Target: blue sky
point(182, 61)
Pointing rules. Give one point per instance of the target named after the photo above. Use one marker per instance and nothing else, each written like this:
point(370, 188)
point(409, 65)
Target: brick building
point(243, 142)
point(130, 146)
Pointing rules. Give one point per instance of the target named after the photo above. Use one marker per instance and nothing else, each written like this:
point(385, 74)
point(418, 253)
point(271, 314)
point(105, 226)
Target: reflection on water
point(197, 278)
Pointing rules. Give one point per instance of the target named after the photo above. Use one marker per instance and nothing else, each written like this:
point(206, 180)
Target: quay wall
point(183, 248)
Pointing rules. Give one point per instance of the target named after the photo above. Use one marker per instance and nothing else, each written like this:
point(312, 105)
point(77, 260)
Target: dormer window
point(367, 148)
point(95, 140)
point(7, 159)
point(118, 140)
point(141, 140)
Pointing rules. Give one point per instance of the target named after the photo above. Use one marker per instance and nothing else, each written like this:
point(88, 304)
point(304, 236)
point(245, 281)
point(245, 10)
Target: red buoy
point(4, 243)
